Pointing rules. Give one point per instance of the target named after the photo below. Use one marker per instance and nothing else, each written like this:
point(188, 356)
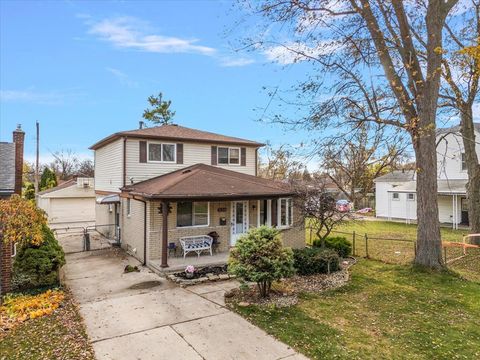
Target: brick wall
point(18, 139)
point(5, 266)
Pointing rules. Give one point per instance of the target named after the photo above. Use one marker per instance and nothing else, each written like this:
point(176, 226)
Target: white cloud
point(235, 62)
point(292, 52)
point(122, 77)
point(131, 33)
point(36, 97)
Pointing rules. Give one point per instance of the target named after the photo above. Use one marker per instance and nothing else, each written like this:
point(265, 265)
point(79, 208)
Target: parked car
point(344, 206)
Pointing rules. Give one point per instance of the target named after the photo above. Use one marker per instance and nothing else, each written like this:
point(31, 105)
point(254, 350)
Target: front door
point(239, 220)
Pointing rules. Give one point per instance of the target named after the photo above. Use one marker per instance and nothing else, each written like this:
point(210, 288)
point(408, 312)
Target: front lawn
point(393, 242)
point(58, 335)
point(386, 311)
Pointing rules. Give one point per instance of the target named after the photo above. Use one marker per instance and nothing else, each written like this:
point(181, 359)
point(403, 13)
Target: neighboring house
point(160, 184)
point(71, 203)
point(396, 192)
point(11, 173)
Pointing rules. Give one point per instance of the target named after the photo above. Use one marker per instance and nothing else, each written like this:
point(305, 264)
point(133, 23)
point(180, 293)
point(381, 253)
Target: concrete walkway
point(143, 316)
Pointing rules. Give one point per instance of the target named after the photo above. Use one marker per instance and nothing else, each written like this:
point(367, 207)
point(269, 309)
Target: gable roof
point(397, 176)
point(175, 133)
point(63, 185)
point(202, 181)
point(7, 166)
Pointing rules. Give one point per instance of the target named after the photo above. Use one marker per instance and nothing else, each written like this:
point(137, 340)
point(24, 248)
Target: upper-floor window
point(395, 196)
point(161, 152)
point(229, 155)
point(192, 214)
point(464, 162)
point(285, 212)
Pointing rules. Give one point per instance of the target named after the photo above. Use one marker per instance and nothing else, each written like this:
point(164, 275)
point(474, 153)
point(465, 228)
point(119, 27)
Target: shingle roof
point(397, 176)
point(445, 187)
point(455, 129)
point(175, 133)
point(63, 185)
point(7, 168)
point(202, 181)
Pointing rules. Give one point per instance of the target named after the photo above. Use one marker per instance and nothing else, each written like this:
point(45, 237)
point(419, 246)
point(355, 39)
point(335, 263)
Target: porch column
point(164, 234)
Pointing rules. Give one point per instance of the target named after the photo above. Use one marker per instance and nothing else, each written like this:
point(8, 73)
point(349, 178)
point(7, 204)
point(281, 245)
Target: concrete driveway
point(143, 316)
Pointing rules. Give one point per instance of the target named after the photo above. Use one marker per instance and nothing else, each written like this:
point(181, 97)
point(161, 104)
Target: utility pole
point(37, 157)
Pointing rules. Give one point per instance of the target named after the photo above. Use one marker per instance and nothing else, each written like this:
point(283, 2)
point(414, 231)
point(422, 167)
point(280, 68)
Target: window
point(285, 212)
point(264, 212)
point(464, 162)
point(411, 197)
point(228, 156)
point(192, 214)
point(395, 196)
point(129, 208)
point(161, 152)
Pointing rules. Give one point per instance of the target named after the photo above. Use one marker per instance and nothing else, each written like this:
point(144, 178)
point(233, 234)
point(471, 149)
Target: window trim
point(193, 215)
point(129, 207)
point(408, 197)
point(174, 161)
point(229, 148)
point(395, 198)
point(279, 213)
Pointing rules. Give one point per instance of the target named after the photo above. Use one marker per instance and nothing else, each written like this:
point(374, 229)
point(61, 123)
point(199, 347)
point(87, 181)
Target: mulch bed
point(203, 272)
point(285, 293)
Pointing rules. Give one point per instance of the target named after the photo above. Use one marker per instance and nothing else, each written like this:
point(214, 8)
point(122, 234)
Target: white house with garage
point(72, 203)
point(395, 193)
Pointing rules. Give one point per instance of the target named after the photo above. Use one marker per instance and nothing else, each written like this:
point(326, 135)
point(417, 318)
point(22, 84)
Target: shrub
point(259, 256)
point(309, 261)
point(341, 245)
point(38, 265)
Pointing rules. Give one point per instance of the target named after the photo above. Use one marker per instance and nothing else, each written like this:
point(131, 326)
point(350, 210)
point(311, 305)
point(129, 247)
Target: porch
point(178, 263)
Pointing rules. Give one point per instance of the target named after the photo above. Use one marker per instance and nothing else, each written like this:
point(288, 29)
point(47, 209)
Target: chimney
point(141, 124)
point(18, 139)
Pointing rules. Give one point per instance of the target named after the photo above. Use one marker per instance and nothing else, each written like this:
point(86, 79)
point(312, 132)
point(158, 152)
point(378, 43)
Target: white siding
point(193, 153)
point(400, 209)
point(109, 167)
point(449, 158)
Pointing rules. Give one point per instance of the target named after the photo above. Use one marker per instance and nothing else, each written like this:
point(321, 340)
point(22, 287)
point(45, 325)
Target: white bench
point(196, 244)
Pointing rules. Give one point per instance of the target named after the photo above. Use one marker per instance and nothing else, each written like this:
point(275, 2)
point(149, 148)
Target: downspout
point(124, 160)
point(144, 230)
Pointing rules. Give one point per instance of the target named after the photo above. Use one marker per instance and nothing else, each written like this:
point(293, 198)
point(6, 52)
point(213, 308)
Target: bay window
point(285, 212)
point(192, 213)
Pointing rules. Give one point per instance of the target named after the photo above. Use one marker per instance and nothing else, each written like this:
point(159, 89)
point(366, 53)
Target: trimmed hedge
point(37, 266)
point(309, 261)
point(341, 245)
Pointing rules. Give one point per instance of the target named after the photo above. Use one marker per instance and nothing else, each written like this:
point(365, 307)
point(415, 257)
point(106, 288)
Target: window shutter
point(243, 156)
point(214, 155)
point(274, 212)
point(143, 152)
point(179, 153)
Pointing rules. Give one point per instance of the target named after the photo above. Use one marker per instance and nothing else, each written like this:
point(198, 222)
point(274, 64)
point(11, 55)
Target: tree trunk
point(473, 169)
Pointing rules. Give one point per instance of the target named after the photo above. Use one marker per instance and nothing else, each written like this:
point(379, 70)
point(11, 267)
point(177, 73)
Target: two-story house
point(395, 193)
point(157, 185)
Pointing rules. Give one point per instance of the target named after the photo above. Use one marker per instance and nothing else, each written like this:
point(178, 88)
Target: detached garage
point(71, 203)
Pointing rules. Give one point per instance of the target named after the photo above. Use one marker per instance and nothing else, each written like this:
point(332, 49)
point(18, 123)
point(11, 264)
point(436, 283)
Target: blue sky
point(85, 69)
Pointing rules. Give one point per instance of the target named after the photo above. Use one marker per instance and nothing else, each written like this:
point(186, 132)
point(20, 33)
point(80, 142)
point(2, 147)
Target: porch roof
point(445, 187)
point(204, 182)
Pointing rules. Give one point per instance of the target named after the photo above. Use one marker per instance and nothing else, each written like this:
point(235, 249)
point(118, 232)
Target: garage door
point(72, 210)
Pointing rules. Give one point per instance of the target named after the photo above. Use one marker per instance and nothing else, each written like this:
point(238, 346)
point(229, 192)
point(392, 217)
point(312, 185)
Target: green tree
point(48, 179)
point(160, 112)
point(259, 256)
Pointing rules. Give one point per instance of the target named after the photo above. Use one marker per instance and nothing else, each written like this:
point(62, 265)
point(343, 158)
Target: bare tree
point(280, 164)
point(317, 204)
point(348, 37)
point(64, 164)
point(354, 162)
point(461, 74)
point(85, 168)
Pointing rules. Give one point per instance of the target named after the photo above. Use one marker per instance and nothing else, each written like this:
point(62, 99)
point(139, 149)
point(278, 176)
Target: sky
point(85, 69)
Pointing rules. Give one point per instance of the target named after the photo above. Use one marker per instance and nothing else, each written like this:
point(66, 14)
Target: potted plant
point(189, 272)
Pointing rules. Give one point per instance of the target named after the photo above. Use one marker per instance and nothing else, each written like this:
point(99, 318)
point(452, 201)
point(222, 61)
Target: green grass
point(401, 250)
point(60, 335)
point(385, 312)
